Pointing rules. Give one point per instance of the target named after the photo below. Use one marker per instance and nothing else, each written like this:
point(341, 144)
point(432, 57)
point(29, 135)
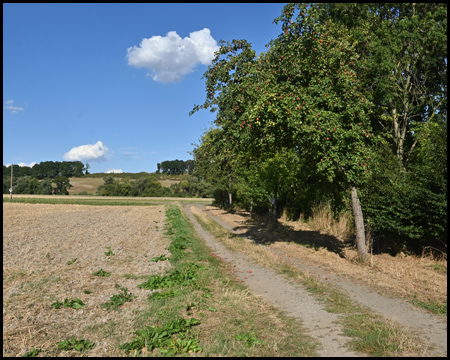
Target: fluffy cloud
point(12, 109)
point(95, 152)
point(114, 171)
point(171, 57)
point(22, 164)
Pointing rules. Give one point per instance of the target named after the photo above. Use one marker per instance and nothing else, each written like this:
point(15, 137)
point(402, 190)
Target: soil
point(333, 267)
point(39, 240)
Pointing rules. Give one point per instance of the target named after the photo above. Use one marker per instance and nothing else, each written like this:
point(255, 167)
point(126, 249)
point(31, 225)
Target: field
point(38, 242)
point(88, 184)
point(58, 296)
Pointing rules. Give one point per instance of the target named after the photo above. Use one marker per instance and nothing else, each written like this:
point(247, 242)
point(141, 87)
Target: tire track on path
point(415, 320)
point(294, 300)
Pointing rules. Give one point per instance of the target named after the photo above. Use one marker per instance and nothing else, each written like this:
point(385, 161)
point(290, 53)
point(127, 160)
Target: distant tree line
point(39, 178)
point(175, 167)
point(49, 169)
point(148, 186)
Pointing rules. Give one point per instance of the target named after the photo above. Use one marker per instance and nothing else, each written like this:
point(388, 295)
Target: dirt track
point(298, 303)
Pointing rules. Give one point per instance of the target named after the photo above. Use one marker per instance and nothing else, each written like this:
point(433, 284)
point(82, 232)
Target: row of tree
point(348, 105)
point(31, 185)
point(175, 167)
point(48, 169)
point(147, 186)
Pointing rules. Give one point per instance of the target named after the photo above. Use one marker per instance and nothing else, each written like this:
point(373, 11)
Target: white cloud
point(114, 171)
point(12, 109)
point(22, 164)
point(95, 152)
point(171, 57)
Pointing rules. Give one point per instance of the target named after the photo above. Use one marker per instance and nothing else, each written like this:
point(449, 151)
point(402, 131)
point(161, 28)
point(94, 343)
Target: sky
point(112, 85)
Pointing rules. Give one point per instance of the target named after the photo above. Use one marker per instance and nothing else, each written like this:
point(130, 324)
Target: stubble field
point(38, 243)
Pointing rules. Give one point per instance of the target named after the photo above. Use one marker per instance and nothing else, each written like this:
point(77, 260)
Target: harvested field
point(38, 242)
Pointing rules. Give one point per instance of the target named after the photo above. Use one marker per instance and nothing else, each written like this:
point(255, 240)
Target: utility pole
point(10, 189)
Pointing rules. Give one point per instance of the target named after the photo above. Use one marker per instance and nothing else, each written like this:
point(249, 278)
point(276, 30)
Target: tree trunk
point(359, 225)
point(274, 223)
point(251, 207)
point(230, 195)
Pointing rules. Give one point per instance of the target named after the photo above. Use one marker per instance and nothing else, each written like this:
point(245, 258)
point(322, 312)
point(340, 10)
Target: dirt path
point(322, 325)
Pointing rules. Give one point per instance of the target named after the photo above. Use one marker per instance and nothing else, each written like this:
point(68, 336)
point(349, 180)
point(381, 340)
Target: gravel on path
point(302, 305)
point(294, 300)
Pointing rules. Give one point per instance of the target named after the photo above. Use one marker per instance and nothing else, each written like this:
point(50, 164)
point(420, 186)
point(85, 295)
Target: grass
point(198, 287)
point(98, 200)
point(431, 306)
point(372, 334)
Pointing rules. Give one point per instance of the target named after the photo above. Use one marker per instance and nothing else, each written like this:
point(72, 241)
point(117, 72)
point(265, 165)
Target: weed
point(117, 300)
point(71, 261)
point(32, 353)
point(73, 344)
point(185, 276)
point(109, 252)
point(87, 291)
point(163, 295)
point(249, 338)
point(161, 337)
point(159, 258)
point(69, 303)
point(103, 273)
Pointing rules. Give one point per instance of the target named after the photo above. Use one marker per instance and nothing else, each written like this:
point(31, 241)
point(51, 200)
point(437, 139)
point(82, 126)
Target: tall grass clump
point(323, 219)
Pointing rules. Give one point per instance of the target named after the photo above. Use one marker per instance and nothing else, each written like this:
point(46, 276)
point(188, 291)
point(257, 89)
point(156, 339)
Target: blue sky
point(112, 84)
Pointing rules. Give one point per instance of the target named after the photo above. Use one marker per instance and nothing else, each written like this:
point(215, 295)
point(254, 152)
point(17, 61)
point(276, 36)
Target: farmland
point(66, 266)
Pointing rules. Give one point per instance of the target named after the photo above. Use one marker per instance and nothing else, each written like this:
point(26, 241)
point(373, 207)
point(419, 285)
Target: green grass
point(198, 287)
point(431, 306)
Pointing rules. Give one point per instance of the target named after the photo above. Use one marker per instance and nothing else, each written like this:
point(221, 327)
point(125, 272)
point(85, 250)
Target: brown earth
point(39, 240)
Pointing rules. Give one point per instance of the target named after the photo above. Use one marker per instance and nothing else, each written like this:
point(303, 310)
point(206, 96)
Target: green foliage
point(102, 273)
point(143, 186)
point(186, 275)
point(74, 344)
point(119, 299)
point(306, 120)
point(109, 252)
point(69, 303)
point(32, 353)
point(159, 258)
point(175, 167)
point(71, 261)
point(249, 338)
point(162, 338)
point(62, 183)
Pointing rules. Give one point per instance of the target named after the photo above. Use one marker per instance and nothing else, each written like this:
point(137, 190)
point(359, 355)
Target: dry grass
point(39, 240)
point(87, 184)
point(424, 278)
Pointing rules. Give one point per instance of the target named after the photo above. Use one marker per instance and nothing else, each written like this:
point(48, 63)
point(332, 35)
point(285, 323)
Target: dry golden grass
point(400, 276)
point(88, 184)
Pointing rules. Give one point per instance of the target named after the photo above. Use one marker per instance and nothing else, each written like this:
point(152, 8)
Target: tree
point(62, 183)
point(303, 97)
